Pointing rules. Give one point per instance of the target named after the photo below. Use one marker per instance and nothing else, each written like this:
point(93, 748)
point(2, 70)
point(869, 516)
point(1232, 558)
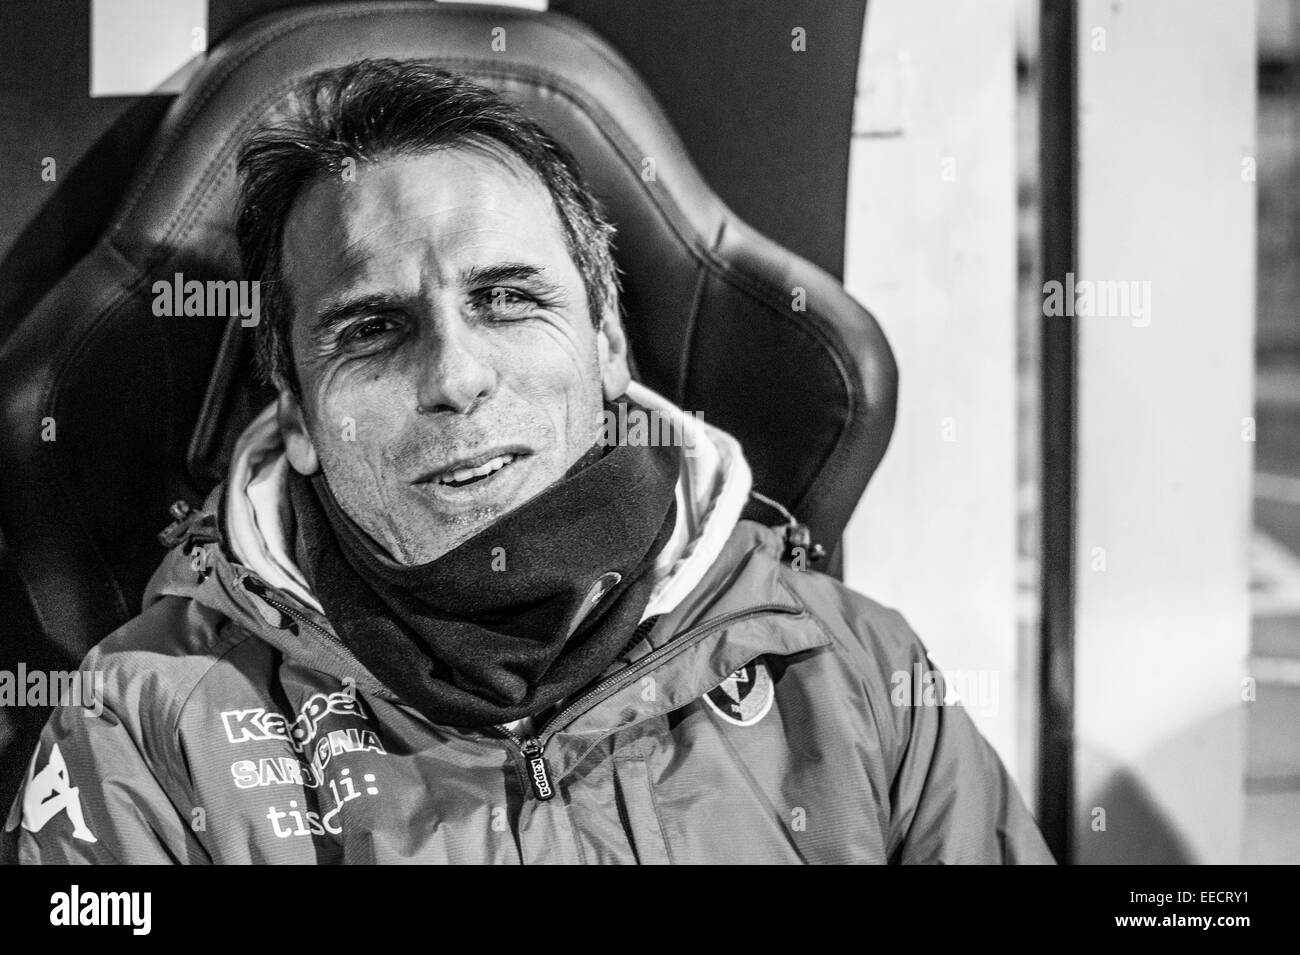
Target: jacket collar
point(741, 610)
point(712, 490)
point(719, 585)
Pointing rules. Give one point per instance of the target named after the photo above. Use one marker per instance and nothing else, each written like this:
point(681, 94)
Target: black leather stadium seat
point(144, 409)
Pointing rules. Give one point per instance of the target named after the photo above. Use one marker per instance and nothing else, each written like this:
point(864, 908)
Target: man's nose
point(455, 375)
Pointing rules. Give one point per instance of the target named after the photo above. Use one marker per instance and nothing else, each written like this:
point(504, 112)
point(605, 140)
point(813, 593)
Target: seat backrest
point(111, 412)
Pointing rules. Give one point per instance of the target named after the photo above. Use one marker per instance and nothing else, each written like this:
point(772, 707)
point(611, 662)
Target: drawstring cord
point(797, 536)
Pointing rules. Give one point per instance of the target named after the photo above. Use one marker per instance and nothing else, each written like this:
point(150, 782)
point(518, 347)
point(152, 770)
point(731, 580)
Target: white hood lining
point(712, 490)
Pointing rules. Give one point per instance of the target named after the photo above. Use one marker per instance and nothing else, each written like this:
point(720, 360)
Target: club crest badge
point(744, 697)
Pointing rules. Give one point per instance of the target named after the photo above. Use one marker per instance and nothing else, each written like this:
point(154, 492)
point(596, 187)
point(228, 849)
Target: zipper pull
point(188, 526)
point(265, 607)
point(538, 775)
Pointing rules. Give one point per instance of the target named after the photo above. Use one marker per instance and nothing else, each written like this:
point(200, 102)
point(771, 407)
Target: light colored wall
point(145, 46)
point(931, 250)
point(1166, 117)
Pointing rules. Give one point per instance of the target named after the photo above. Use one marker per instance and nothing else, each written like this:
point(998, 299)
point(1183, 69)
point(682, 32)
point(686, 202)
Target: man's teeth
point(461, 475)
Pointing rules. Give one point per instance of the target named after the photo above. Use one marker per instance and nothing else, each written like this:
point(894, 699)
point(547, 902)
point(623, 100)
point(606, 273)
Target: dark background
point(769, 131)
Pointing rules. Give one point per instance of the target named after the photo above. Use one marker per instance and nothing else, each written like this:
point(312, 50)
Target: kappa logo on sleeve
point(51, 792)
point(744, 697)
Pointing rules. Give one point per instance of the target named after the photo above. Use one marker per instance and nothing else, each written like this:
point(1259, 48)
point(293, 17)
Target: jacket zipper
point(259, 590)
point(533, 748)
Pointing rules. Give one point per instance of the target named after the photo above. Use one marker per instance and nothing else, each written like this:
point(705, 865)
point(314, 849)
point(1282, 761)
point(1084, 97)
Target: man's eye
point(365, 330)
point(504, 300)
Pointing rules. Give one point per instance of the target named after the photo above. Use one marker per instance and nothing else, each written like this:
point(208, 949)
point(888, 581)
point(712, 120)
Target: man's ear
point(612, 345)
point(293, 430)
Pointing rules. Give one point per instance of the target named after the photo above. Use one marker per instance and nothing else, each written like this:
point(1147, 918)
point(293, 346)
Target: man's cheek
point(350, 413)
point(563, 343)
point(335, 424)
point(555, 375)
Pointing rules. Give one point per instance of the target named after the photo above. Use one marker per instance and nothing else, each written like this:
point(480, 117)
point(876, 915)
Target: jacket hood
point(711, 492)
point(255, 574)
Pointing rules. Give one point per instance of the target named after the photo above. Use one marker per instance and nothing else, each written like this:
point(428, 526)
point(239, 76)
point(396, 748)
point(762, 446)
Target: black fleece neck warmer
point(517, 618)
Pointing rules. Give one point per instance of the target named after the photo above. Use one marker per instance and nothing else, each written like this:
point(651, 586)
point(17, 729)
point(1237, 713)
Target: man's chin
point(456, 514)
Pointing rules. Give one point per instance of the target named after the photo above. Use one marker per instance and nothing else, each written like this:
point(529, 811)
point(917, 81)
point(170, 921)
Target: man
point(436, 613)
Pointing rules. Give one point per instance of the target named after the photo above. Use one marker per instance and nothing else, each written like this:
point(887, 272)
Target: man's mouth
point(464, 476)
point(479, 469)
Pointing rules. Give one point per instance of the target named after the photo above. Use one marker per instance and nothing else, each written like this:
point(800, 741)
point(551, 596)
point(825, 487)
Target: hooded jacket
point(758, 720)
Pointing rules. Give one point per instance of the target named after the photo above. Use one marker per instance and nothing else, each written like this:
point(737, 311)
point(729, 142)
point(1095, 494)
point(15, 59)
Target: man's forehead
point(455, 207)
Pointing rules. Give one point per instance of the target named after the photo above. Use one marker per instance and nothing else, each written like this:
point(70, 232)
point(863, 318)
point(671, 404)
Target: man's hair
point(374, 110)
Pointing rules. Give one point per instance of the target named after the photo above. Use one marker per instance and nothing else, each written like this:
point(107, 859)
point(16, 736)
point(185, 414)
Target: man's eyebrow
point(534, 275)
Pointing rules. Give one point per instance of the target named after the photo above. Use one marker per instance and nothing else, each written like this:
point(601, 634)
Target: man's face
point(449, 366)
